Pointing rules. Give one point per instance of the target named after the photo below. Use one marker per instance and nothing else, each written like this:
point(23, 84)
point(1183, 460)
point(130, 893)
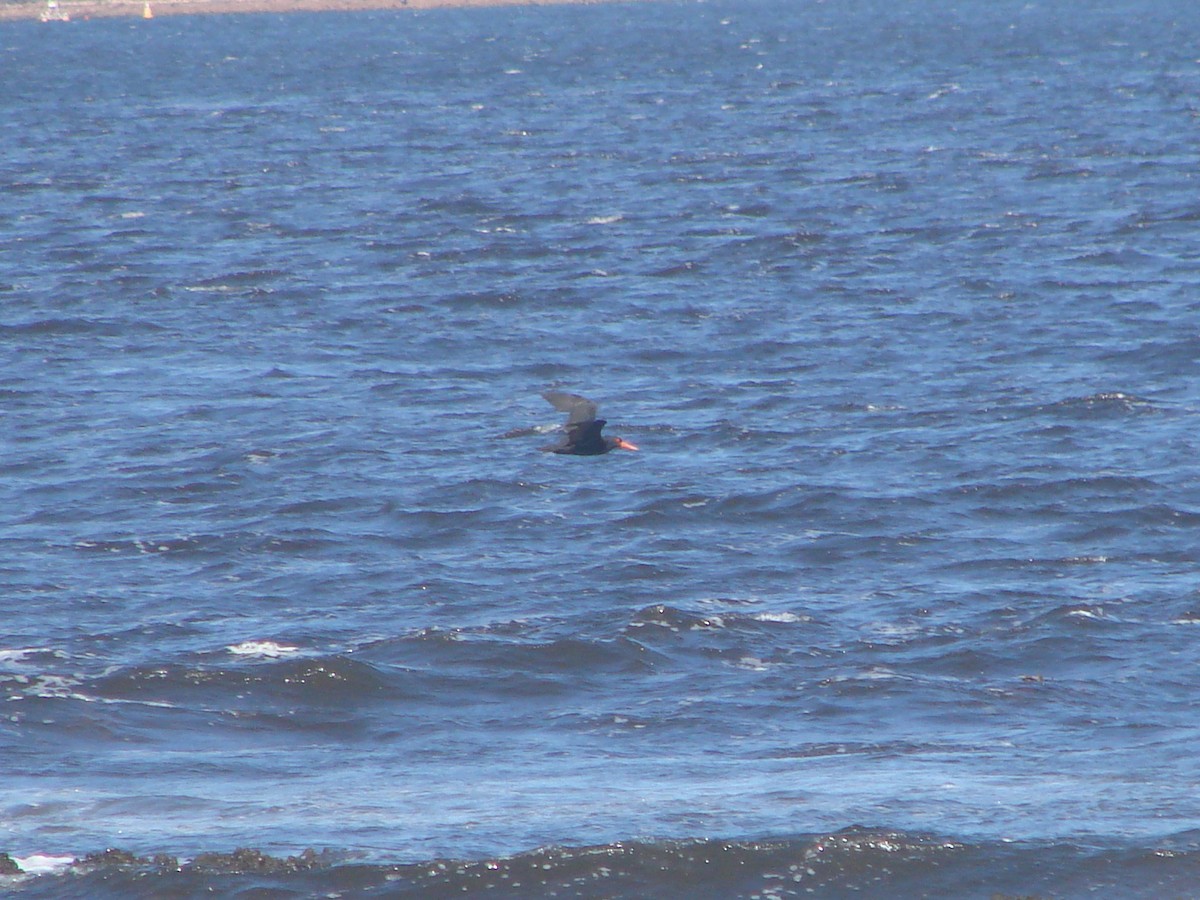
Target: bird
point(583, 436)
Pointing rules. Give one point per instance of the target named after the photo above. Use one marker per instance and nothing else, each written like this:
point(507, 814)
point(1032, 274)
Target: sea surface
point(899, 597)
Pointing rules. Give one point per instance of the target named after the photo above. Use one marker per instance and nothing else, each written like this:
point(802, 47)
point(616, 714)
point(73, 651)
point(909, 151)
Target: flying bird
point(583, 436)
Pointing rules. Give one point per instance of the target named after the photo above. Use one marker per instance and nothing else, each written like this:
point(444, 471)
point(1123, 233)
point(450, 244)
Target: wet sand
point(87, 9)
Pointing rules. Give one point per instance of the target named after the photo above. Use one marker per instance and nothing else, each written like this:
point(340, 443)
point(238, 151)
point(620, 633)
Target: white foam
point(262, 649)
point(59, 687)
point(42, 864)
point(752, 664)
point(895, 630)
point(780, 617)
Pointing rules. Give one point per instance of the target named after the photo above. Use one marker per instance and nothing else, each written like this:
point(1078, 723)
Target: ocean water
point(900, 596)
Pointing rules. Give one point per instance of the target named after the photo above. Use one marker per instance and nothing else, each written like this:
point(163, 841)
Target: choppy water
point(900, 303)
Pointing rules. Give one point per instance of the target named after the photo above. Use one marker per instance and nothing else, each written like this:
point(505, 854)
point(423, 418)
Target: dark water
point(900, 597)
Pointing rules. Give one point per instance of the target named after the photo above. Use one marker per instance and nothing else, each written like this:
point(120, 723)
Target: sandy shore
point(78, 10)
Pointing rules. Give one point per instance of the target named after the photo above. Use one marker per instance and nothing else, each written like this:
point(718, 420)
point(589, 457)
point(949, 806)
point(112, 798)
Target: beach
point(75, 10)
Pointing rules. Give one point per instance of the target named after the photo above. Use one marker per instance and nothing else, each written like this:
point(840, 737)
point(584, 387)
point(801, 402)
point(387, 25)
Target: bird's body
point(583, 437)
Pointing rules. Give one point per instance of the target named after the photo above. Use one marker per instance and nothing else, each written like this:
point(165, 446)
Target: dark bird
point(583, 436)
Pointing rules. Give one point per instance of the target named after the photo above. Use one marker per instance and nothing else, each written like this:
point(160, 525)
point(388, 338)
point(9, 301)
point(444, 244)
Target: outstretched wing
point(578, 409)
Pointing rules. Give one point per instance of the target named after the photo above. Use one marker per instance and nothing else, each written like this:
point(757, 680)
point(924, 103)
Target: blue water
point(898, 300)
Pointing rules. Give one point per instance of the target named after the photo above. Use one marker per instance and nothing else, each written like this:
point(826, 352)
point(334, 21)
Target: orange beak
point(623, 444)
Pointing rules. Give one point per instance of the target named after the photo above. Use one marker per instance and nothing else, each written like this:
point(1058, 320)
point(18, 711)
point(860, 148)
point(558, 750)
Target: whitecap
point(752, 664)
point(262, 649)
point(58, 687)
point(783, 618)
point(42, 863)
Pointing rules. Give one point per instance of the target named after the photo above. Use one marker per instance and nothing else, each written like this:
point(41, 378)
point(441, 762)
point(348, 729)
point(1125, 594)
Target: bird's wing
point(586, 435)
point(578, 409)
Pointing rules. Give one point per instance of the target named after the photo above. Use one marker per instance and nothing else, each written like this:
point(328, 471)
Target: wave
point(77, 325)
point(853, 862)
point(1105, 403)
point(254, 685)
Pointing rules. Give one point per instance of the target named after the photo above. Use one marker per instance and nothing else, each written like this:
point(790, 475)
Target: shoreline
point(96, 9)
